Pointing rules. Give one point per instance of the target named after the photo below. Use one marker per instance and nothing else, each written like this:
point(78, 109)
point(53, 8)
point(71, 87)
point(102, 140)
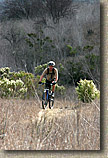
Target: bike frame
point(47, 94)
point(47, 97)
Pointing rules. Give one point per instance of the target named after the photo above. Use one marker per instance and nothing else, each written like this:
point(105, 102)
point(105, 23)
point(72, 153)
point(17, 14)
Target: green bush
point(72, 51)
point(29, 81)
point(93, 61)
point(93, 66)
point(88, 48)
point(39, 69)
point(22, 84)
point(87, 91)
point(12, 88)
point(4, 72)
point(60, 90)
point(61, 74)
point(75, 71)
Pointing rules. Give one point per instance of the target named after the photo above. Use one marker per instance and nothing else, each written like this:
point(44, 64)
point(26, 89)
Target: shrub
point(39, 69)
point(88, 48)
point(93, 66)
point(72, 51)
point(4, 72)
point(28, 79)
point(75, 71)
point(12, 88)
point(93, 61)
point(87, 91)
point(21, 79)
point(60, 90)
point(22, 84)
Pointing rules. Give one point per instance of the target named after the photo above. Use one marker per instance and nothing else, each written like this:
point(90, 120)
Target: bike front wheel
point(44, 101)
point(51, 103)
point(44, 104)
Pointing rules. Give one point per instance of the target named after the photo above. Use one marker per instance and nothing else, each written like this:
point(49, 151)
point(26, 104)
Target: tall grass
point(25, 126)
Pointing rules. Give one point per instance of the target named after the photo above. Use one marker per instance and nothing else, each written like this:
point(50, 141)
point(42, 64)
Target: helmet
point(51, 63)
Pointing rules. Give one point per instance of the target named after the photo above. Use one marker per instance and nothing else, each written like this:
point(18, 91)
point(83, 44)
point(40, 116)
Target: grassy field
point(69, 126)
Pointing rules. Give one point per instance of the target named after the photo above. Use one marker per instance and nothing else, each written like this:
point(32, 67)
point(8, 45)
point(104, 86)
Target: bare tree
point(57, 8)
point(16, 9)
point(14, 37)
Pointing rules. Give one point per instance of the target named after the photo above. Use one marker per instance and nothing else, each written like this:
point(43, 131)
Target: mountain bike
point(47, 96)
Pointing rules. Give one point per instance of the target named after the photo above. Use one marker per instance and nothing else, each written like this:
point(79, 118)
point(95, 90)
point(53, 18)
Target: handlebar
point(48, 83)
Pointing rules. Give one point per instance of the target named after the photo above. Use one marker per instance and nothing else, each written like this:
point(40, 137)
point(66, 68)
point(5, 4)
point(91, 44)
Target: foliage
point(71, 70)
point(61, 71)
point(93, 61)
point(12, 88)
point(88, 47)
point(87, 91)
point(33, 39)
point(62, 74)
point(40, 44)
point(38, 40)
point(72, 51)
point(4, 72)
point(39, 69)
point(17, 83)
point(74, 71)
point(60, 90)
point(61, 67)
point(27, 78)
point(22, 84)
point(29, 43)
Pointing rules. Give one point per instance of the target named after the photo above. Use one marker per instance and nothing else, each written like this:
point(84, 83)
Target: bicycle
point(47, 96)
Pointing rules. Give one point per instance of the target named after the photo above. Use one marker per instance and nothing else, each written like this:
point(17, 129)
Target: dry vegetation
point(69, 126)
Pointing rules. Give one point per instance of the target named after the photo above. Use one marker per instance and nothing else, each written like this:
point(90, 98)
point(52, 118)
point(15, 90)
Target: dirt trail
point(54, 114)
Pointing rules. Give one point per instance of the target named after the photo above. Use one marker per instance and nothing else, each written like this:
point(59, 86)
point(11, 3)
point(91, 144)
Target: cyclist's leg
point(53, 89)
point(47, 86)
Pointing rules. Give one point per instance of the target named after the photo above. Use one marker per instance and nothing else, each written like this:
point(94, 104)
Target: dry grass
point(25, 126)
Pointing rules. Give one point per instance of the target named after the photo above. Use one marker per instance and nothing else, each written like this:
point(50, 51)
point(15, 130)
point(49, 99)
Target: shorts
point(47, 85)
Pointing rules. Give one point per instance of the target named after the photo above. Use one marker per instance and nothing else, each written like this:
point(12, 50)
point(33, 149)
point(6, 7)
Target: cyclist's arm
point(56, 75)
point(43, 74)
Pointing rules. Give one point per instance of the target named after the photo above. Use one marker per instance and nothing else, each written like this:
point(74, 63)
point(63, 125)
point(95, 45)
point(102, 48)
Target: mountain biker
point(51, 76)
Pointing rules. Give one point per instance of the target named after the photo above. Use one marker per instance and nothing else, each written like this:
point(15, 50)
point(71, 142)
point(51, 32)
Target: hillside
point(80, 28)
point(25, 126)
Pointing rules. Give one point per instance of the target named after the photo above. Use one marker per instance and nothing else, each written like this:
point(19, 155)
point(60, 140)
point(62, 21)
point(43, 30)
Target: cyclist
point(51, 76)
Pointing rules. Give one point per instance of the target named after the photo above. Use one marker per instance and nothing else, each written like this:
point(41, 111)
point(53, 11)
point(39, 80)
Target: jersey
point(50, 75)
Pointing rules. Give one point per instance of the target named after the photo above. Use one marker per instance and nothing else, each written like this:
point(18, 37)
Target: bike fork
point(45, 95)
